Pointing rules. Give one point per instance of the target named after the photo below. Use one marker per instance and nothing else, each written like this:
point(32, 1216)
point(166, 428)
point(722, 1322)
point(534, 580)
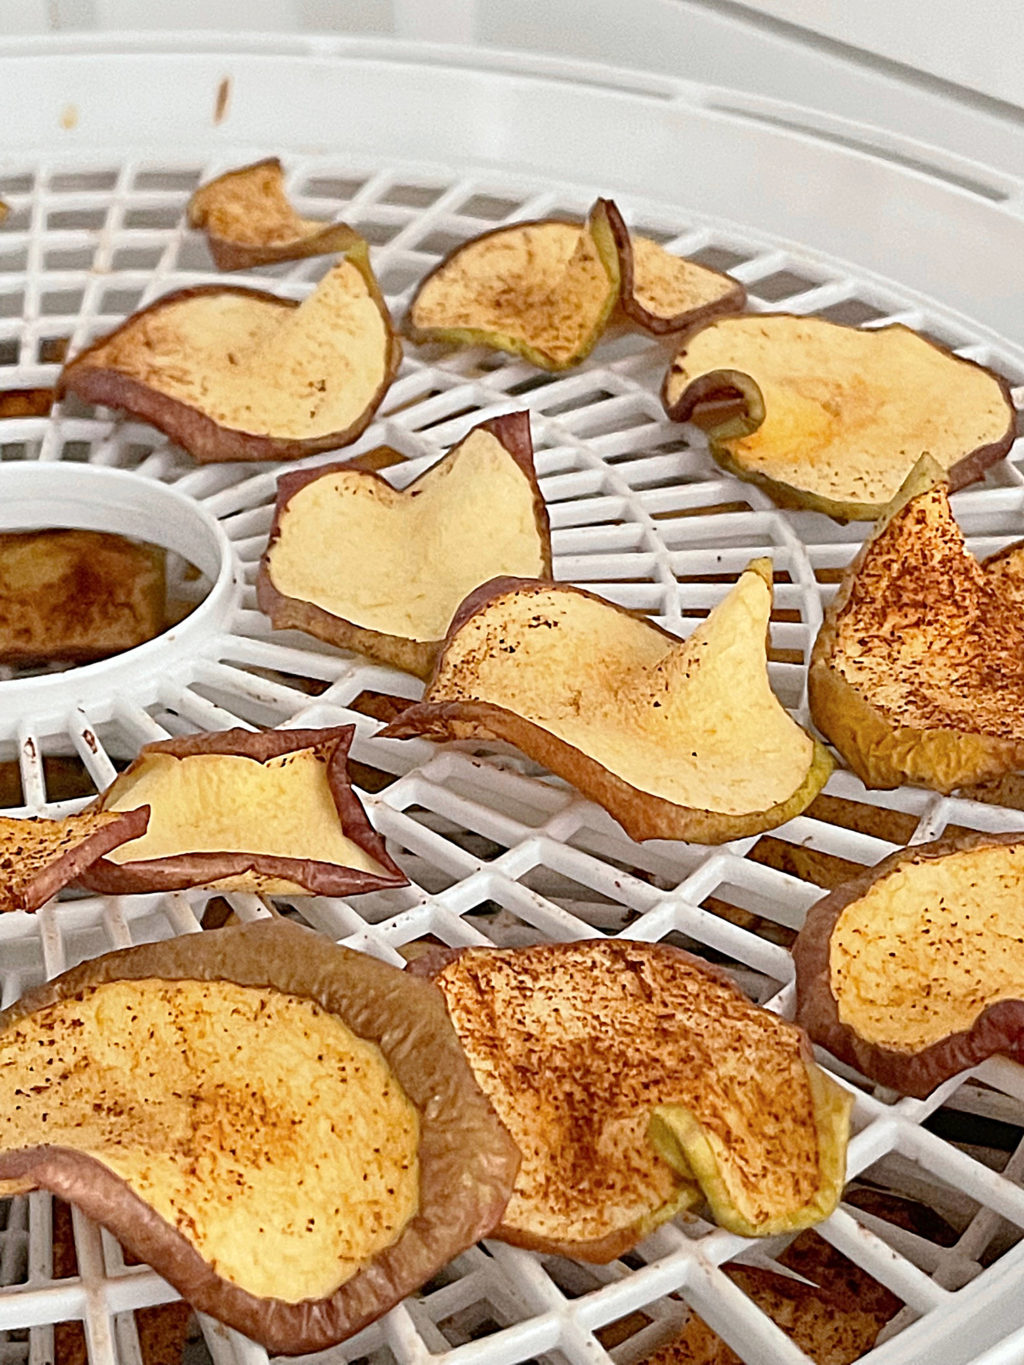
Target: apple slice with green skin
point(911, 971)
point(38, 856)
point(284, 1129)
point(269, 811)
point(834, 418)
point(589, 1050)
point(543, 290)
point(356, 562)
point(231, 373)
point(917, 674)
point(676, 739)
point(249, 221)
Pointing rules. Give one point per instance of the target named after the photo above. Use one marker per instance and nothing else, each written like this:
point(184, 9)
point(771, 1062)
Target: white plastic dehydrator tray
point(420, 149)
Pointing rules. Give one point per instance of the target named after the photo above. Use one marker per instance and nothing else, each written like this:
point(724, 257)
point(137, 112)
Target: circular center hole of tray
point(161, 559)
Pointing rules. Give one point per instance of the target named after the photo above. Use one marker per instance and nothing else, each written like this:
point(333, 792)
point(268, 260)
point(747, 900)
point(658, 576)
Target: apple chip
point(834, 418)
point(663, 293)
point(238, 374)
point(38, 857)
point(249, 221)
point(353, 561)
point(676, 739)
point(285, 1129)
point(638, 1081)
point(242, 810)
point(827, 1322)
point(913, 971)
point(543, 290)
point(917, 674)
point(71, 596)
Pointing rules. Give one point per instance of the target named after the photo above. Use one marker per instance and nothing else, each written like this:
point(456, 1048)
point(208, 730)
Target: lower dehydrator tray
point(495, 849)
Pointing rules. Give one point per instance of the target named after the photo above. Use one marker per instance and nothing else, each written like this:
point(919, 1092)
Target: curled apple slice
point(286, 1130)
point(238, 374)
point(38, 857)
point(664, 293)
point(249, 221)
point(543, 290)
point(912, 971)
point(637, 1080)
point(834, 418)
point(676, 739)
point(269, 811)
point(917, 674)
point(356, 562)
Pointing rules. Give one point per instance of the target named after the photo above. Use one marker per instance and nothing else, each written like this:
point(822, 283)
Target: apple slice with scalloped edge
point(356, 562)
point(677, 739)
point(911, 971)
point(834, 417)
point(270, 811)
point(543, 290)
point(39, 856)
point(917, 674)
point(286, 1130)
point(231, 373)
point(636, 1080)
point(249, 221)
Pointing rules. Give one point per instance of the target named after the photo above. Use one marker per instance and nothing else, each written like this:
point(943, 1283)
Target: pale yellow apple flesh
point(401, 562)
point(249, 220)
point(255, 1123)
point(673, 291)
point(228, 803)
point(929, 946)
point(692, 722)
point(838, 416)
point(543, 290)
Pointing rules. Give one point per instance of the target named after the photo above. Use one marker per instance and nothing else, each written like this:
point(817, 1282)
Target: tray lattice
point(495, 849)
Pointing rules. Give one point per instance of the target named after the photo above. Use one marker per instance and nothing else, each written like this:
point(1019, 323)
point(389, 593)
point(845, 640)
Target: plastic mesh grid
point(495, 849)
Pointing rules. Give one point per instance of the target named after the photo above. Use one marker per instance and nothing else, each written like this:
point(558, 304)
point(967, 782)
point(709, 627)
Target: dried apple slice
point(828, 1322)
point(353, 561)
point(664, 293)
point(917, 674)
point(584, 1047)
point(286, 1130)
point(834, 418)
point(543, 290)
point(912, 971)
point(676, 739)
point(249, 221)
point(38, 857)
point(238, 374)
point(75, 595)
point(269, 811)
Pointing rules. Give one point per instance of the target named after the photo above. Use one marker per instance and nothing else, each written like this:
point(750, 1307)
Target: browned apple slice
point(38, 857)
point(664, 293)
point(353, 561)
point(269, 811)
point(834, 418)
point(73, 595)
point(636, 1081)
point(912, 971)
point(543, 290)
point(676, 739)
point(917, 674)
point(286, 1130)
point(238, 374)
point(249, 221)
